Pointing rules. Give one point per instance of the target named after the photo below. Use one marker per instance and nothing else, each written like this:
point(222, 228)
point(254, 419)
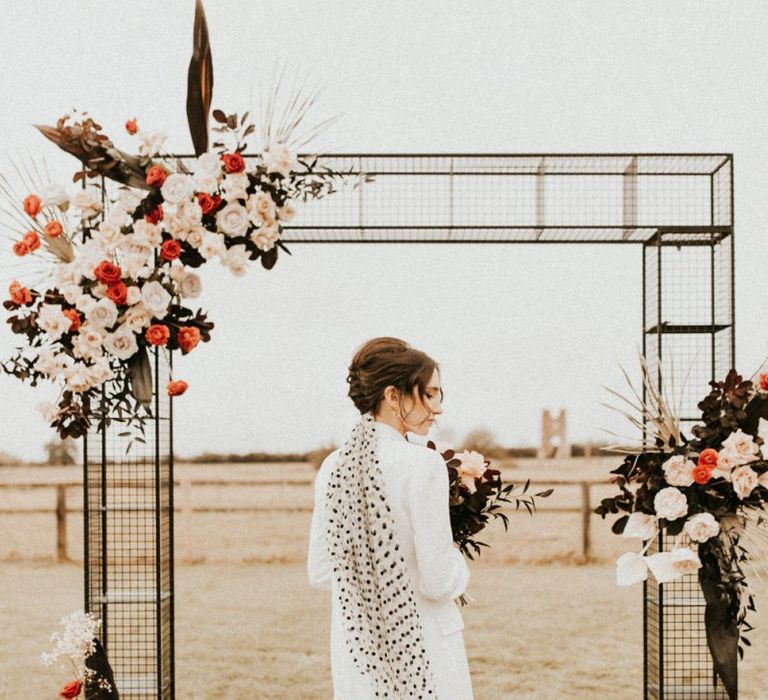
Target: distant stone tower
point(554, 440)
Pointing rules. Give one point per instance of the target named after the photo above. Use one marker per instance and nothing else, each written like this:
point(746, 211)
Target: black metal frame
point(667, 203)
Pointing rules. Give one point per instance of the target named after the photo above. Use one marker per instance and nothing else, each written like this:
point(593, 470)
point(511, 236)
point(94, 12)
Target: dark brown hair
point(383, 362)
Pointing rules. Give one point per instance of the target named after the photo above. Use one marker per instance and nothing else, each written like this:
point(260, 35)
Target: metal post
point(586, 511)
point(61, 523)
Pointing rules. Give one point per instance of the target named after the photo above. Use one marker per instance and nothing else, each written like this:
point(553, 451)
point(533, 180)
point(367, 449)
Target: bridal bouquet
point(77, 648)
point(477, 494)
point(707, 492)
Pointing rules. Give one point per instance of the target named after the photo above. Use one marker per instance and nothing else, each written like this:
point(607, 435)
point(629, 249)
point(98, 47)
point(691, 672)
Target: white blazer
point(416, 483)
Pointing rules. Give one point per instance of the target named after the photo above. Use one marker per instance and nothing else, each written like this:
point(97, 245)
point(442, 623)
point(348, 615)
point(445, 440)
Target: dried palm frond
point(651, 415)
point(284, 111)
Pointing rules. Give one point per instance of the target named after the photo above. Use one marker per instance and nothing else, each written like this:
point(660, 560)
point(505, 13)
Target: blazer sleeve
point(318, 560)
point(442, 571)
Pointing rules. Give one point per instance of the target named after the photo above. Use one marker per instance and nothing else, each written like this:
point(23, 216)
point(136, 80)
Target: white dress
point(416, 483)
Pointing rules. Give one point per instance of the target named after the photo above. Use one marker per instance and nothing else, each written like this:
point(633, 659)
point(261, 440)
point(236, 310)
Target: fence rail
point(60, 509)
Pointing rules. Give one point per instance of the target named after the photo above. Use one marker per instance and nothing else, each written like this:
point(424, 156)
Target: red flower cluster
point(71, 690)
point(233, 162)
point(207, 203)
point(702, 472)
point(53, 229)
point(32, 205)
point(177, 388)
point(19, 295)
point(170, 250)
point(156, 215)
point(157, 334)
point(156, 176)
point(29, 243)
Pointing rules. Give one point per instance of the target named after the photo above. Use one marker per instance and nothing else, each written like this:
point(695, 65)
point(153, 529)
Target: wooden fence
point(183, 488)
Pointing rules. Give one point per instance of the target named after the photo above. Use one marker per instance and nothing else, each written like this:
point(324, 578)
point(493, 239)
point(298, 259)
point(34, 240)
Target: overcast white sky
point(515, 328)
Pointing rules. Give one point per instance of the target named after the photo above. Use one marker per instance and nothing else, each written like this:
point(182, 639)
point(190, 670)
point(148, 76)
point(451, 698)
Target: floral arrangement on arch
point(707, 493)
point(123, 261)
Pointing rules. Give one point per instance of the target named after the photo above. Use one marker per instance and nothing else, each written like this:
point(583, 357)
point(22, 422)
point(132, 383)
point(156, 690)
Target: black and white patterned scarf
point(383, 632)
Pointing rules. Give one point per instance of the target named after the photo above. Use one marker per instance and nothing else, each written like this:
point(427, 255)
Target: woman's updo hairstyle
point(383, 362)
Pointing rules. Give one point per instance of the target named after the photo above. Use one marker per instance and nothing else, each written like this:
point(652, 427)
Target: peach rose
point(32, 240)
point(118, 292)
point(21, 249)
point(19, 295)
point(157, 334)
point(73, 316)
point(188, 338)
point(131, 126)
point(708, 458)
point(170, 250)
point(233, 162)
point(701, 474)
point(472, 467)
point(32, 205)
point(177, 388)
point(107, 272)
point(156, 176)
point(53, 229)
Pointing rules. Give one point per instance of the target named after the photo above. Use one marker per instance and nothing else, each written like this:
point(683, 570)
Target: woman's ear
point(392, 397)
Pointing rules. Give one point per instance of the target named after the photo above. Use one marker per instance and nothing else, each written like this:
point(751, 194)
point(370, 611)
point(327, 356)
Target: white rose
point(85, 303)
point(668, 566)
point(177, 187)
point(133, 295)
point(208, 164)
point(54, 195)
point(744, 481)
point(670, 503)
point(630, 569)
point(108, 233)
point(88, 201)
point(190, 286)
point(122, 343)
point(261, 208)
point(742, 446)
point(265, 237)
point(195, 238)
point(71, 292)
point(77, 377)
point(279, 159)
point(137, 317)
point(81, 349)
point(49, 412)
point(150, 143)
point(233, 220)
point(100, 371)
point(234, 185)
point(50, 363)
point(472, 467)
point(69, 273)
point(156, 298)
point(117, 216)
point(726, 461)
point(236, 260)
point(92, 336)
point(211, 245)
point(641, 525)
point(286, 212)
point(103, 314)
point(702, 527)
point(133, 263)
point(52, 320)
point(129, 198)
point(147, 235)
point(678, 471)
point(206, 183)
point(185, 220)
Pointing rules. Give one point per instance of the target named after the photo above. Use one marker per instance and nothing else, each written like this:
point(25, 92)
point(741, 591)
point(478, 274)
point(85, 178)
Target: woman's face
point(417, 414)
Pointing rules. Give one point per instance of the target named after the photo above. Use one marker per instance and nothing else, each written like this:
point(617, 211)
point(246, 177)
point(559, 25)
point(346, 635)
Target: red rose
point(157, 334)
point(764, 382)
point(21, 248)
point(131, 126)
point(155, 215)
point(188, 338)
point(233, 162)
point(177, 388)
point(156, 176)
point(701, 474)
point(53, 229)
point(32, 205)
point(71, 690)
point(107, 272)
point(73, 316)
point(32, 240)
point(708, 458)
point(118, 292)
point(170, 250)
point(19, 295)
point(207, 203)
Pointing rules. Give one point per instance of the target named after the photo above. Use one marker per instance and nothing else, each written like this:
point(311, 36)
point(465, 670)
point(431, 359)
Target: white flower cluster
point(75, 642)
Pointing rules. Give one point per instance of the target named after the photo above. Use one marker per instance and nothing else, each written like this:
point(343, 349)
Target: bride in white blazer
point(396, 629)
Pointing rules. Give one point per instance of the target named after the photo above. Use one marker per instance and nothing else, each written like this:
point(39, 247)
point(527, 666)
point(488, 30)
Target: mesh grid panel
point(129, 547)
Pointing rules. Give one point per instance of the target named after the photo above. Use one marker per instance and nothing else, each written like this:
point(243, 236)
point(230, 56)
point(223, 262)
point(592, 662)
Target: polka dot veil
point(383, 632)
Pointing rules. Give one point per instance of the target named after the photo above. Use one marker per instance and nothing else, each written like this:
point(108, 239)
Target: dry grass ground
point(249, 627)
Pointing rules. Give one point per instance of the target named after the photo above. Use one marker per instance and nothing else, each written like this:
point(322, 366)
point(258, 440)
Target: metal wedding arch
point(677, 209)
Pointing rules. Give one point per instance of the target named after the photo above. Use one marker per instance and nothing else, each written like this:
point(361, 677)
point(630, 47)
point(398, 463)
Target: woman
point(381, 539)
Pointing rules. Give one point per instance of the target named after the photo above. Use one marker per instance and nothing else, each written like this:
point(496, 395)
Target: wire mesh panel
point(128, 512)
point(678, 662)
